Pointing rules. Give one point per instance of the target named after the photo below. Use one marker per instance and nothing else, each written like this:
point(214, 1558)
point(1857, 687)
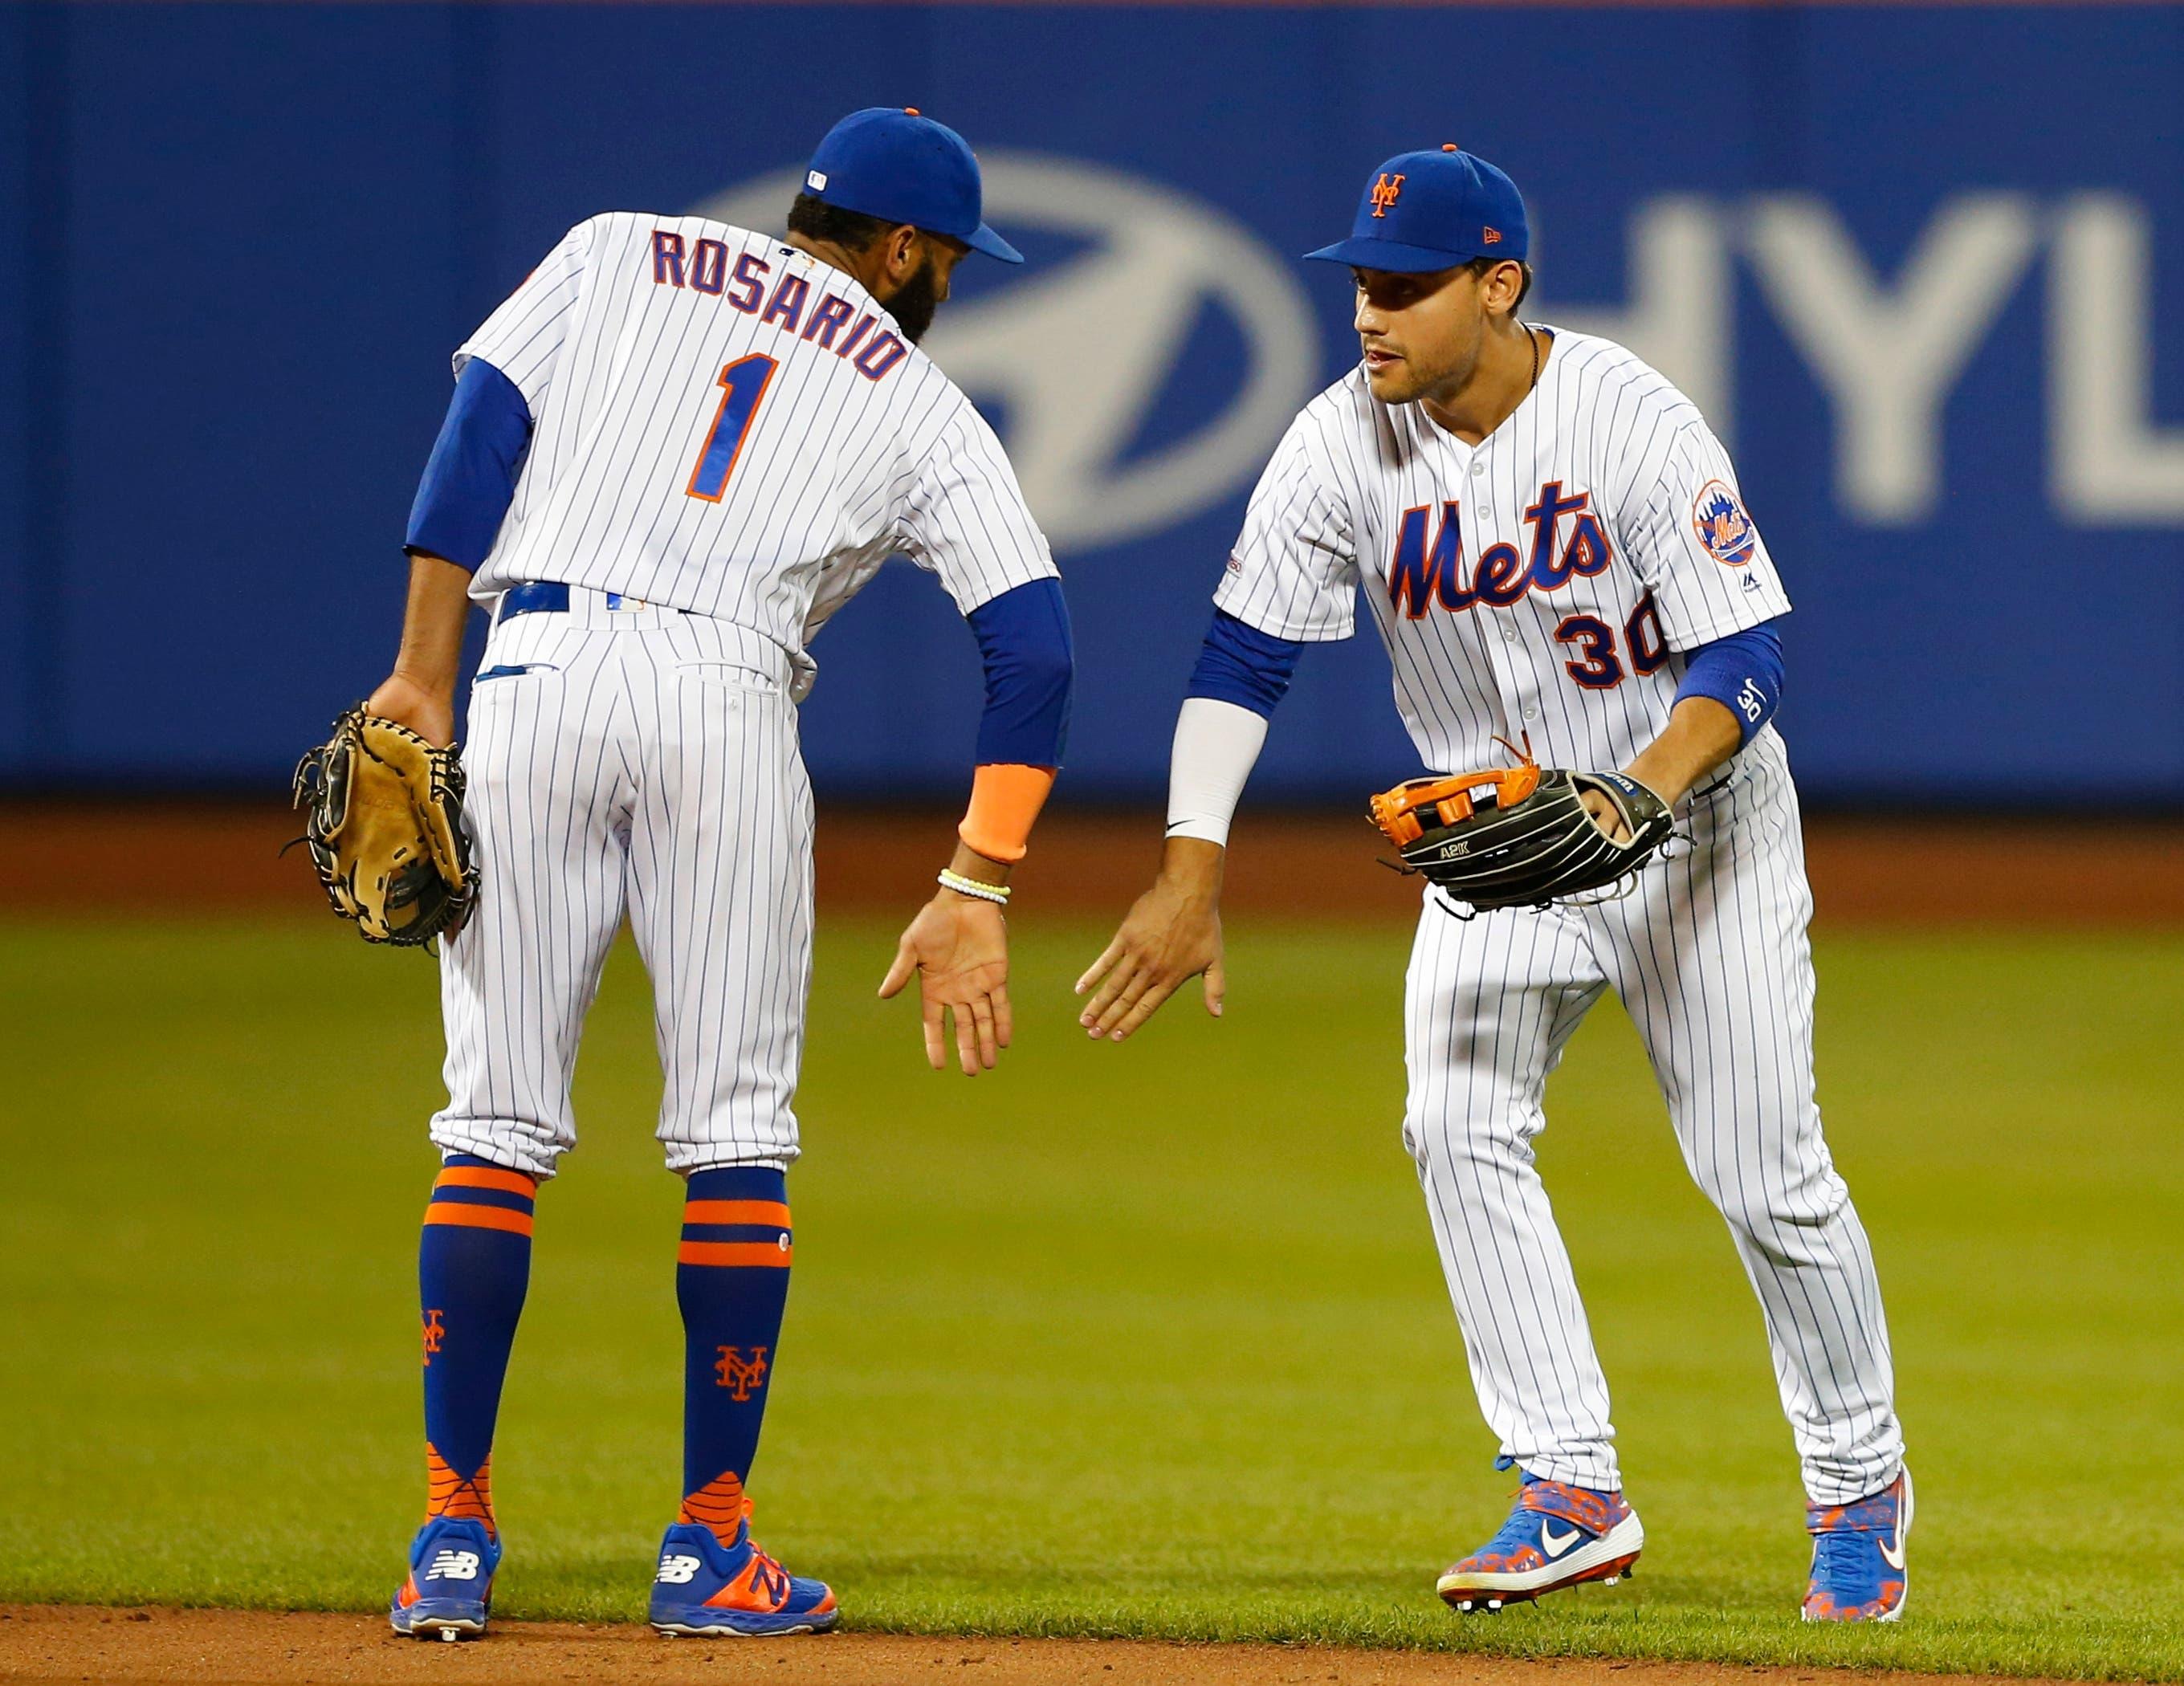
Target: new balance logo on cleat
point(448, 1591)
point(706, 1588)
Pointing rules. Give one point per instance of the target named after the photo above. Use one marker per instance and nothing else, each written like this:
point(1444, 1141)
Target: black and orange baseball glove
point(1521, 835)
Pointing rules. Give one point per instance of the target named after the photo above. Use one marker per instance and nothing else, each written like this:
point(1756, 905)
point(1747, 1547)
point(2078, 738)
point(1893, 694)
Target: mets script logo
point(434, 1333)
point(1385, 192)
point(1722, 525)
point(1420, 576)
point(1082, 356)
point(744, 1375)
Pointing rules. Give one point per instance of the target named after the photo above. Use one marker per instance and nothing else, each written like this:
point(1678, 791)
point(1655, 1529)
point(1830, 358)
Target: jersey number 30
point(742, 385)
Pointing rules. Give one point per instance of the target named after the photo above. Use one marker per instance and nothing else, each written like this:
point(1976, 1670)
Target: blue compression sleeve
point(1023, 638)
point(470, 478)
point(1243, 665)
point(1742, 672)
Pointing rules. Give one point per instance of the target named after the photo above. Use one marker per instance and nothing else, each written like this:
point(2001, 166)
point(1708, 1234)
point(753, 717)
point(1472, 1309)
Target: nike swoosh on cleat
point(1894, 1555)
point(1554, 1547)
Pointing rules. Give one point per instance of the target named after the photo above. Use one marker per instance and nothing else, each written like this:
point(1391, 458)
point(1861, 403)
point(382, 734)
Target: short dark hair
point(852, 231)
point(1479, 266)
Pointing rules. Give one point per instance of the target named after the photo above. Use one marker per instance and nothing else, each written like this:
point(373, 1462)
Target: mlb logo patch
point(816, 179)
point(1717, 517)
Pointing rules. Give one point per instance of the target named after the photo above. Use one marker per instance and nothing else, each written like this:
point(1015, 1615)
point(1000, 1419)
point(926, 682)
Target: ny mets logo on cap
point(1726, 531)
point(1427, 211)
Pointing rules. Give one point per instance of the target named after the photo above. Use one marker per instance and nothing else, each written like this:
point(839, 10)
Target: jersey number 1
point(743, 384)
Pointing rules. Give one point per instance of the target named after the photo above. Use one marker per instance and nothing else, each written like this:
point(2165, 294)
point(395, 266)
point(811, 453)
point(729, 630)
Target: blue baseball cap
point(1428, 211)
point(906, 168)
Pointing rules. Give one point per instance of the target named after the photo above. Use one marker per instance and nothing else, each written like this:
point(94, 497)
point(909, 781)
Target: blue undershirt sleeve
point(470, 479)
point(1241, 664)
point(1023, 639)
point(1742, 672)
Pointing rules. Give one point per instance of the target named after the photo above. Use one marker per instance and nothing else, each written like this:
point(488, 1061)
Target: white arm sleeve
point(1217, 744)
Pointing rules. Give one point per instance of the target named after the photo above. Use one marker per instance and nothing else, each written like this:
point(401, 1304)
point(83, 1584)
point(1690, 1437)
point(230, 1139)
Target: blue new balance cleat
point(1556, 1536)
point(706, 1588)
point(449, 1590)
point(1858, 1556)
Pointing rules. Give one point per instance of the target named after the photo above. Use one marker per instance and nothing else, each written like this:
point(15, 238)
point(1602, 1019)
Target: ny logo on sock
point(742, 1374)
point(433, 1331)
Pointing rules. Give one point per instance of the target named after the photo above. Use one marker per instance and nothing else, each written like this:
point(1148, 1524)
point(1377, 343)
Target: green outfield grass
point(1141, 1340)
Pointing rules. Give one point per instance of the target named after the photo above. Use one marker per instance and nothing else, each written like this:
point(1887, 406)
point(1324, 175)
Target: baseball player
point(1556, 552)
point(672, 454)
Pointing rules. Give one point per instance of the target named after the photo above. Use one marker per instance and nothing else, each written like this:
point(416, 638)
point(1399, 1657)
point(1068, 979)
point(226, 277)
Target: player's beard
point(913, 306)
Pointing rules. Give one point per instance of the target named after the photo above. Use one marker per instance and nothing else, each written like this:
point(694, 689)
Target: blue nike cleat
point(1858, 1556)
point(1556, 1536)
point(449, 1591)
point(706, 1588)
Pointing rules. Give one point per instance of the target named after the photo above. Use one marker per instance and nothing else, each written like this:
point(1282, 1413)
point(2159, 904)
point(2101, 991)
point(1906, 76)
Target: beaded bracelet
point(996, 893)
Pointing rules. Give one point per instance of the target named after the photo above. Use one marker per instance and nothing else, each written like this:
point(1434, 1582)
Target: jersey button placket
point(1513, 676)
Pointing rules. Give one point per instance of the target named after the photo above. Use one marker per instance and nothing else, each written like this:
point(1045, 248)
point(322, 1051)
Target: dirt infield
point(98, 857)
point(73, 1642)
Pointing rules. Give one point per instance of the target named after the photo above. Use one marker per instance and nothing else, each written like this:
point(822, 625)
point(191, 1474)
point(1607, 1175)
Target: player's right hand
point(1172, 933)
point(403, 700)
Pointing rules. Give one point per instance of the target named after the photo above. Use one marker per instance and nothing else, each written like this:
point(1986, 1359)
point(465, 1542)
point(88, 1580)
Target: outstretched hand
point(1172, 933)
point(958, 947)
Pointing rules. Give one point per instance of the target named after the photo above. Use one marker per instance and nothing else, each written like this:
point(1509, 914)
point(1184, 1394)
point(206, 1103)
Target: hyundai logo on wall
point(1077, 350)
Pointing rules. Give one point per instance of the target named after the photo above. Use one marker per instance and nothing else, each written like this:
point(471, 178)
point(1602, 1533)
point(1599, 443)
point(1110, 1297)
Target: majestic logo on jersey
point(1101, 357)
point(1420, 578)
point(1385, 192)
point(1723, 527)
point(744, 1375)
point(435, 1330)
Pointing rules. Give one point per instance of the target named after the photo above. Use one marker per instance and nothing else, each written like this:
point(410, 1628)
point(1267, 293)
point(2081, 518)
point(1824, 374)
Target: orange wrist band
point(1004, 801)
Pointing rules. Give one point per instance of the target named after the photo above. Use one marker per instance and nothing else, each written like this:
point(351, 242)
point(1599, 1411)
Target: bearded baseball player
point(1559, 560)
point(673, 454)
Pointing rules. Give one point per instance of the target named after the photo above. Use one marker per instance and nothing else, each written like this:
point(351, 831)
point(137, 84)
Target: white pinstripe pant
point(1710, 957)
point(642, 761)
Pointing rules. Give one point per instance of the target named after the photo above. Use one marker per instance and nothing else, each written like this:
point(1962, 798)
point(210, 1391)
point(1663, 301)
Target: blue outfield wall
point(1923, 267)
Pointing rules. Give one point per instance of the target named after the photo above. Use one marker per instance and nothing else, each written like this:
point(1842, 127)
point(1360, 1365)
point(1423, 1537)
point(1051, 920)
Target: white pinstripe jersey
point(725, 425)
point(1542, 582)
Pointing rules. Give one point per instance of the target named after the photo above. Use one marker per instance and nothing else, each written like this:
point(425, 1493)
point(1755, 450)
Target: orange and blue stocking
point(473, 1267)
point(732, 1282)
